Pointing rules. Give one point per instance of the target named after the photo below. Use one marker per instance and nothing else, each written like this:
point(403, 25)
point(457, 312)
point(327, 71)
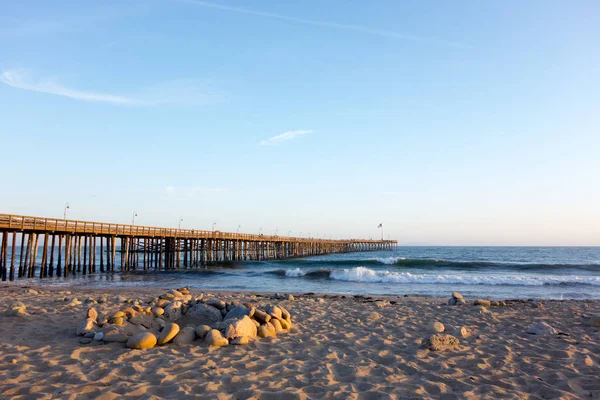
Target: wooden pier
point(70, 247)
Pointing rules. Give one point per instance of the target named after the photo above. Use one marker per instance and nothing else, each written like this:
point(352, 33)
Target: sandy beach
point(343, 347)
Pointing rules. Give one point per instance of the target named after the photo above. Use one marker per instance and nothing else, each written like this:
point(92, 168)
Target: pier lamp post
point(214, 225)
point(133, 218)
point(180, 221)
point(276, 231)
point(65, 212)
point(289, 233)
point(238, 228)
point(300, 234)
point(260, 231)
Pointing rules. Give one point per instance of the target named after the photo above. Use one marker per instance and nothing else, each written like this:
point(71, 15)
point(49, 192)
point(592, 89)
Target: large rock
point(542, 328)
point(267, 330)
point(480, 302)
point(176, 293)
point(440, 342)
point(437, 327)
point(285, 313)
point(274, 311)
point(173, 311)
point(239, 312)
point(87, 326)
point(456, 295)
point(285, 324)
point(185, 336)
point(118, 314)
point(115, 336)
point(93, 314)
point(214, 338)
point(456, 302)
point(204, 314)
point(129, 312)
point(158, 311)
point(242, 327)
point(145, 340)
point(261, 316)
point(202, 331)
point(240, 340)
point(218, 304)
point(277, 324)
point(167, 334)
point(162, 303)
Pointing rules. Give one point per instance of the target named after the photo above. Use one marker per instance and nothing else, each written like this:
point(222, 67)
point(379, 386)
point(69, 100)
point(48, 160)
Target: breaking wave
point(363, 274)
point(402, 262)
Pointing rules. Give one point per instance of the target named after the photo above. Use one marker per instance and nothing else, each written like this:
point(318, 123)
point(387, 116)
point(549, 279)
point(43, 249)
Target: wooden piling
point(44, 264)
point(3, 254)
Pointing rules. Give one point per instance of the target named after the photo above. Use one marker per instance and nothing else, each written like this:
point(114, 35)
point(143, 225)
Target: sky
point(451, 123)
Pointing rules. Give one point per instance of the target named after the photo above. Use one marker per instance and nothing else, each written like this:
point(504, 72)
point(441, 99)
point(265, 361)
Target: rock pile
point(489, 303)
point(456, 299)
point(179, 317)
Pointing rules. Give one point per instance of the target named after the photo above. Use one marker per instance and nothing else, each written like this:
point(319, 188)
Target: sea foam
point(363, 274)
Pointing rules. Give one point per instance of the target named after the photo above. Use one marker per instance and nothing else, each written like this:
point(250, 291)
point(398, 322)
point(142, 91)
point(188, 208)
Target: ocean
point(490, 272)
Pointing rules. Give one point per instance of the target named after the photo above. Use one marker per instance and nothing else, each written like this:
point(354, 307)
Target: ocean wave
point(295, 272)
point(363, 274)
point(424, 263)
point(302, 273)
point(387, 260)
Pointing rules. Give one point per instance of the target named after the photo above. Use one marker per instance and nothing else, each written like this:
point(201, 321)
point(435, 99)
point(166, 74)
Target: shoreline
point(38, 285)
point(357, 346)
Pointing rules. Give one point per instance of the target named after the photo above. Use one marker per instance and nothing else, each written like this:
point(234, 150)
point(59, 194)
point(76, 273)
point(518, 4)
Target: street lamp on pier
point(133, 218)
point(180, 221)
point(65, 212)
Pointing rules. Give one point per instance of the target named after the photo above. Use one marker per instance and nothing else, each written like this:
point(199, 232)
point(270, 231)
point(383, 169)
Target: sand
point(343, 348)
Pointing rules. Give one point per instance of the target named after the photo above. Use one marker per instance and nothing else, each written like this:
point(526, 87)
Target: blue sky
point(452, 123)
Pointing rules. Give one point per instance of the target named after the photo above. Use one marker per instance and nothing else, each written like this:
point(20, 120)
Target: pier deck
point(70, 247)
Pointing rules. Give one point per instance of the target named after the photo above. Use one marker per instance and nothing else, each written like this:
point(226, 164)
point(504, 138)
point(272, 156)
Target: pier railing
point(22, 223)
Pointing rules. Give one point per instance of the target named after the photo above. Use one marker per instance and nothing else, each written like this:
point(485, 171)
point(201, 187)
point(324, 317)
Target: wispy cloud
point(21, 79)
point(174, 92)
point(329, 24)
point(283, 137)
